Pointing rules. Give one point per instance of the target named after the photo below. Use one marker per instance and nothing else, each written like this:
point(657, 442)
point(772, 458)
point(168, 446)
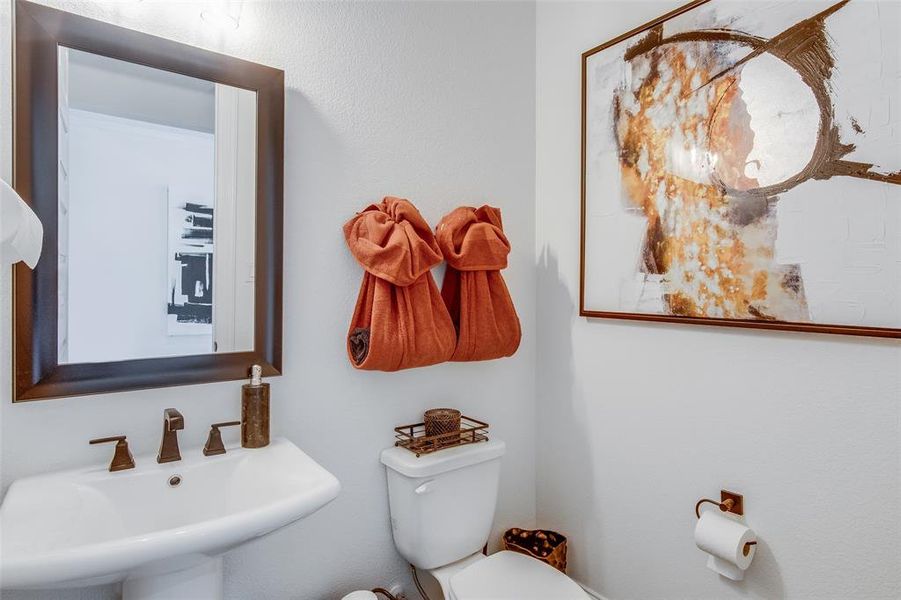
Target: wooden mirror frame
point(38, 31)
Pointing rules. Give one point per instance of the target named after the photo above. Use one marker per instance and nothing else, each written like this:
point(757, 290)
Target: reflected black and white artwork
point(190, 301)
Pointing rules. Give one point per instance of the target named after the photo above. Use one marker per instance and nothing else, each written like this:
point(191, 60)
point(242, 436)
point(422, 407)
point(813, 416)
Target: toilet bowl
point(505, 576)
point(442, 508)
point(361, 595)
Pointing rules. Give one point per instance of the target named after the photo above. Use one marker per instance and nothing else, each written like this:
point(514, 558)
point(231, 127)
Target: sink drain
point(174, 481)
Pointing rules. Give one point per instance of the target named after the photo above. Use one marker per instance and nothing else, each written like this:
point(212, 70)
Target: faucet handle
point(174, 419)
point(122, 458)
point(214, 443)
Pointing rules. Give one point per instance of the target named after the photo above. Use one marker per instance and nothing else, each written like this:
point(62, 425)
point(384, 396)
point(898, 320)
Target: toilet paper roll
point(724, 539)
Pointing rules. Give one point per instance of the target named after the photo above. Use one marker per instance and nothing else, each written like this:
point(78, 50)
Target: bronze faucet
point(172, 423)
point(122, 458)
point(214, 443)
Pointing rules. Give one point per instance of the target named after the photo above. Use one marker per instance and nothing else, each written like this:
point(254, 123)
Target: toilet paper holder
point(729, 502)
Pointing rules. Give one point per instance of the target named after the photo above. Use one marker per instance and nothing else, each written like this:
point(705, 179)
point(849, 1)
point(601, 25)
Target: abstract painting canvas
point(741, 165)
point(189, 305)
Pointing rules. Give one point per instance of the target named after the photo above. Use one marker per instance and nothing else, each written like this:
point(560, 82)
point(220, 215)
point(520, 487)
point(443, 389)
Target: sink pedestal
point(200, 582)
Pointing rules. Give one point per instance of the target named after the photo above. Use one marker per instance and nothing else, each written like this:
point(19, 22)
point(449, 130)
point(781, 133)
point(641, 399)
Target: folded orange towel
point(400, 321)
point(476, 249)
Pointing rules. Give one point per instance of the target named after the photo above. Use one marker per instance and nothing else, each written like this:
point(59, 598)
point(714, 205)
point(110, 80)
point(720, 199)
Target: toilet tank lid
point(428, 465)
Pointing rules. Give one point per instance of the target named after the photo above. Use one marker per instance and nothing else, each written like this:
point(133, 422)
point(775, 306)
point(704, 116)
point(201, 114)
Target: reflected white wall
point(121, 172)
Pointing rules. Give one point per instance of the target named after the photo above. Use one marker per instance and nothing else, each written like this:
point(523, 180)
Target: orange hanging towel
point(400, 321)
point(476, 249)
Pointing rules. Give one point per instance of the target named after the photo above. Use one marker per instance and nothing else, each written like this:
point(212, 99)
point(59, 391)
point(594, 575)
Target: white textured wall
point(431, 101)
point(435, 101)
point(647, 418)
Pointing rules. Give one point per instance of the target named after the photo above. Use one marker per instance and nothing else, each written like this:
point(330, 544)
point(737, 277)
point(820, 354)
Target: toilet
point(442, 507)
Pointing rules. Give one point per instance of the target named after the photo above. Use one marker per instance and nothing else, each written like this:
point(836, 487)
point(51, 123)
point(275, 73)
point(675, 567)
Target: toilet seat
point(512, 576)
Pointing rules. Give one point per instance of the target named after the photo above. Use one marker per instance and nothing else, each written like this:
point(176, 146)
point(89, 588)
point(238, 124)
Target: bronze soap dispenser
point(255, 411)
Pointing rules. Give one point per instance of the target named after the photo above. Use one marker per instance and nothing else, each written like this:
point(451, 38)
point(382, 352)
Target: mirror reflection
point(157, 188)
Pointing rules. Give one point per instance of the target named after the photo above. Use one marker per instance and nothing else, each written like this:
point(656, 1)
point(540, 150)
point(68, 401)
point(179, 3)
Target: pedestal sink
point(159, 528)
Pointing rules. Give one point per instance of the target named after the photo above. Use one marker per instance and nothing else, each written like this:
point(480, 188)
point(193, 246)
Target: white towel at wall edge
point(22, 232)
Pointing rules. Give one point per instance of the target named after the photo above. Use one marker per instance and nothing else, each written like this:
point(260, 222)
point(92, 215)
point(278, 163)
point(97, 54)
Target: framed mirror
point(156, 169)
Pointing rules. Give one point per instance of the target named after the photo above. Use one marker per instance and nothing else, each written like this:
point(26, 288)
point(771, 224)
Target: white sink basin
point(89, 526)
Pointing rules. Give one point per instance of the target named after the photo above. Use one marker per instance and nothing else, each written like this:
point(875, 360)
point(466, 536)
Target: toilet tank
point(442, 504)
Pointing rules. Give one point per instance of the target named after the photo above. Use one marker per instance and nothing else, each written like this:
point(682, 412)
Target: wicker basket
point(441, 420)
point(547, 546)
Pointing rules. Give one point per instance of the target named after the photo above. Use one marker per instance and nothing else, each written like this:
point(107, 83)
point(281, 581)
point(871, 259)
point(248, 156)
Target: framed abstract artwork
point(741, 166)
